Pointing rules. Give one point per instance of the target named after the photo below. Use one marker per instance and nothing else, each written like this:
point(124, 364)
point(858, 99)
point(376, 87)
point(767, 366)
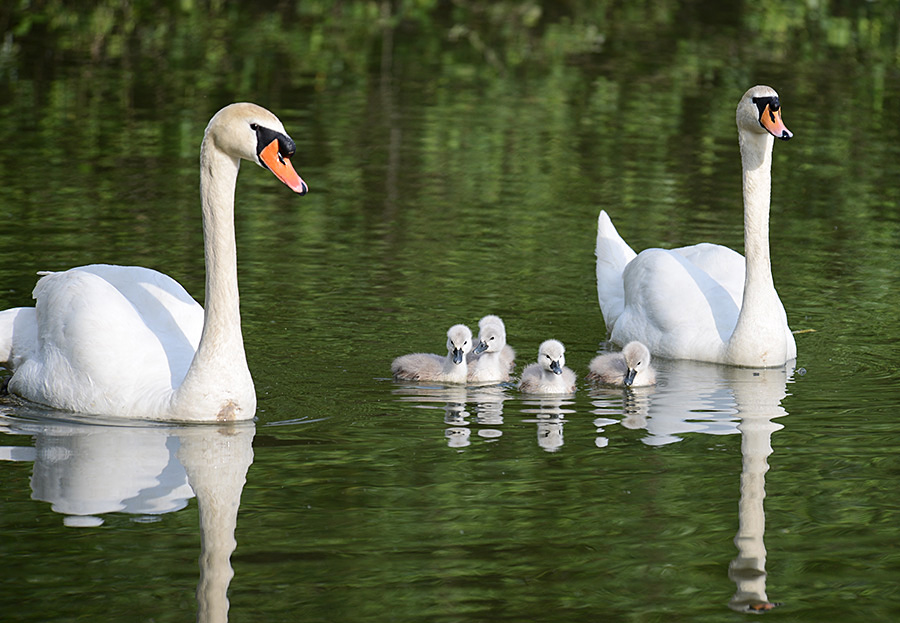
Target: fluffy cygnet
point(550, 374)
point(429, 367)
point(492, 359)
point(629, 368)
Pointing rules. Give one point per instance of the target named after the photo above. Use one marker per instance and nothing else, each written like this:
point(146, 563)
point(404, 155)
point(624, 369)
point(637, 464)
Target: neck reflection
point(85, 470)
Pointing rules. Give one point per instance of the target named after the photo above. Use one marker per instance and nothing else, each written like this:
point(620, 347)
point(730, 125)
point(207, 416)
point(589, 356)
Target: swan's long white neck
point(758, 329)
point(756, 158)
point(219, 369)
point(222, 320)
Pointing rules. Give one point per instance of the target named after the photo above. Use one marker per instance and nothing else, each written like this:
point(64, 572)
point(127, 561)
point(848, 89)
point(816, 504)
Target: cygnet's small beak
point(482, 346)
point(457, 356)
point(629, 377)
point(555, 367)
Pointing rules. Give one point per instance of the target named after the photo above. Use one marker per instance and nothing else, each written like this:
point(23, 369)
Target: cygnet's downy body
point(430, 367)
point(492, 358)
point(550, 374)
point(629, 368)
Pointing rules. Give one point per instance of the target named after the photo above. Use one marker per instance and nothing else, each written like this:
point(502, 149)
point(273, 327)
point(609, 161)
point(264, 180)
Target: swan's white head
point(459, 342)
point(759, 112)
point(552, 356)
point(251, 132)
point(637, 359)
point(491, 335)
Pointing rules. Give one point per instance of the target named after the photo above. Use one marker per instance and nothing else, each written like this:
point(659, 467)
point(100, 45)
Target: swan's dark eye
point(254, 127)
point(770, 101)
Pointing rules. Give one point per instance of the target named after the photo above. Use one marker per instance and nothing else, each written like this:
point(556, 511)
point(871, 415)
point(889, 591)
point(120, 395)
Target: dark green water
point(456, 164)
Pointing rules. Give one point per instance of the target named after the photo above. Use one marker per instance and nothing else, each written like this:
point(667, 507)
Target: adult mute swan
point(629, 368)
point(549, 375)
point(129, 341)
point(430, 367)
point(706, 302)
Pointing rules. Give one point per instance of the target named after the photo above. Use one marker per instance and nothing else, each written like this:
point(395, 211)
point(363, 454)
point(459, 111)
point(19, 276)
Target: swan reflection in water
point(693, 397)
point(483, 406)
point(549, 414)
point(462, 406)
point(86, 469)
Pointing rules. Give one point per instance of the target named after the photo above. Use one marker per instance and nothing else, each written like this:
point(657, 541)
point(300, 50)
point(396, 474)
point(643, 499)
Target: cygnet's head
point(459, 342)
point(759, 112)
point(491, 335)
point(637, 359)
point(491, 319)
point(552, 356)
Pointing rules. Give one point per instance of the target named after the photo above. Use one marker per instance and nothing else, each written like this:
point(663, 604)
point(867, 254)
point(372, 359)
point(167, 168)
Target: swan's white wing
point(613, 255)
point(725, 266)
point(674, 307)
point(109, 339)
point(164, 304)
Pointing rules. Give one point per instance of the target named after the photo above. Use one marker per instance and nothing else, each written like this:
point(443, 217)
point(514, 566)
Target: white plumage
point(430, 367)
point(549, 375)
point(628, 368)
point(492, 359)
point(129, 341)
point(706, 302)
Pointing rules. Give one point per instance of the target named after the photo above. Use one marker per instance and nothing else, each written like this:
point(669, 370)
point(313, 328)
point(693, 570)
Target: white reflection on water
point(462, 406)
point(689, 397)
point(84, 470)
point(550, 415)
point(758, 395)
point(483, 406)
point(695, 397)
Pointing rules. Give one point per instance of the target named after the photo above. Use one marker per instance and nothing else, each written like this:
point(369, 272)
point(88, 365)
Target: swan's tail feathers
point(18, 327)
point(6, 334)
point(613, 255)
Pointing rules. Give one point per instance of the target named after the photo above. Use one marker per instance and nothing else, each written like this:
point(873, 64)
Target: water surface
point(442, 190)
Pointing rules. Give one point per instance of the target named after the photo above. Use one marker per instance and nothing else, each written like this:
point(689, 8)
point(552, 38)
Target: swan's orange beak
point(771, 121)
point(282, 168)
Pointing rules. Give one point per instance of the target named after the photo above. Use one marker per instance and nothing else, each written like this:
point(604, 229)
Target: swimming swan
point(550, 374)
point(706, 302)
point(129, 341)
point(429, 367)
point(492, 359)
point(629, 368)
